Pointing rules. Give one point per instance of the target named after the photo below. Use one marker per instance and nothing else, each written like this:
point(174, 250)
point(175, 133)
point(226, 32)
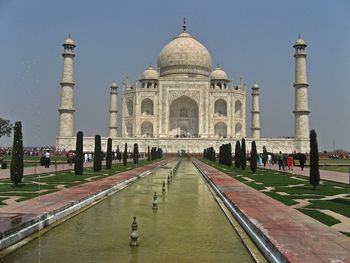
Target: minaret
point(301, 110)
point(66, 109)
point(255, 112)
point(113, 111)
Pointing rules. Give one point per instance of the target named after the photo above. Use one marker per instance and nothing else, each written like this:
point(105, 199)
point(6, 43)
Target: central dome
point(184, 55)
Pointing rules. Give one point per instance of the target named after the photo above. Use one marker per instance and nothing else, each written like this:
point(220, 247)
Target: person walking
point(290, 162)
point(280, 160)
point(269, 160)
point(47, 159)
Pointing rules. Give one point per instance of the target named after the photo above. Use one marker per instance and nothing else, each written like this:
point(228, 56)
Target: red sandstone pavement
point(324, 174)
point(298, 237)
point(5, 173)
point(15, 215)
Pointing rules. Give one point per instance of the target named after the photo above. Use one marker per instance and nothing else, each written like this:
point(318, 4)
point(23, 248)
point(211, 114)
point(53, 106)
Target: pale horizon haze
point(253, 39)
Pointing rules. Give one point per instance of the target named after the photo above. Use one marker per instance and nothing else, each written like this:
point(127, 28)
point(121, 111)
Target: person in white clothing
point(269, 160)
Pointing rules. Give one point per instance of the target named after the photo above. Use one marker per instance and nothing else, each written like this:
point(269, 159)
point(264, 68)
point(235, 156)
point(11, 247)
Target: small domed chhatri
point(114, 84)
point(218, 74)
point(300, 42)
point(149, 73)
point(69, 41)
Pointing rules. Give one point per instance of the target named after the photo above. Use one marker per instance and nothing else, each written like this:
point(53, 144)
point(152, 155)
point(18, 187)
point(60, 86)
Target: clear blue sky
point(115, 38)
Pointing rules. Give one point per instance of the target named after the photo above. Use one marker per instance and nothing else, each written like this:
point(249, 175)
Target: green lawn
point(289, 188)
point(35, 185)
point(332, 161)
point(342, 169)
point(325, 219)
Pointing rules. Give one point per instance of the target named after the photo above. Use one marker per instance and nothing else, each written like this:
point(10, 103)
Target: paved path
point(298, 237)
point(16, 216)
point(324, 174)
point(5, 173)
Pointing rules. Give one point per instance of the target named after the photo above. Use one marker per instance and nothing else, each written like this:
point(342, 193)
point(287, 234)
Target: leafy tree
point(314, 165)
point(253, 158)
point(109, 154)
point(97, 154)
point(243, 155)
point(79, 154)
point(125, 155)
point(238, 154)
point(136, 153)
point(5, 128)
point(16, 169)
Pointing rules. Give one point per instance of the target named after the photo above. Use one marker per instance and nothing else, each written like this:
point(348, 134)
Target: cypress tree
point(229, 154)
point(16, 168)
point(136, 153)
point(314, 166)
point(238, 154)
point(97, 154)
point(243, 155)
point(253, 158)
point(148, 154)
point(221, 154)
point(125, 155)
point(79, 154)
point(109, 154)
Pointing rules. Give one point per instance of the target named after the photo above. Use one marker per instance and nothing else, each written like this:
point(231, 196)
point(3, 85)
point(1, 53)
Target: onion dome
point(184, 55)
point(218, 74)
point(149, 73)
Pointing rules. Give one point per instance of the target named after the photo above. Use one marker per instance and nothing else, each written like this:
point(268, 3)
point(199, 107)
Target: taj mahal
point(184, 104)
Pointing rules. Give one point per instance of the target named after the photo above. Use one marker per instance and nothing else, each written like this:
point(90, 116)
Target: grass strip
point(319, 216)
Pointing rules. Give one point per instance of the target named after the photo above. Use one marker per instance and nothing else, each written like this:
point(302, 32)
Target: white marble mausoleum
point(185, 105)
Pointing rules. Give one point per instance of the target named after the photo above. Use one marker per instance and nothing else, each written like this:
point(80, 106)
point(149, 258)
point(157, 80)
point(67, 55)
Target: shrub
point(79, 157)
point(16, 168)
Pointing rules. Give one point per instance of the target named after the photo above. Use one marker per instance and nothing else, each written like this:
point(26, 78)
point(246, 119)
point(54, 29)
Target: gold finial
point(184, 25)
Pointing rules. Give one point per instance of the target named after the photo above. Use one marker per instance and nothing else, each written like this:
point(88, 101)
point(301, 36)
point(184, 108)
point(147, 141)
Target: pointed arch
point(220, 107)
point(147, 107)
point(220, 130)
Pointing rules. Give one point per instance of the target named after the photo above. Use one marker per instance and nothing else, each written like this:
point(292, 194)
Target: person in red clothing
point(290, 162)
